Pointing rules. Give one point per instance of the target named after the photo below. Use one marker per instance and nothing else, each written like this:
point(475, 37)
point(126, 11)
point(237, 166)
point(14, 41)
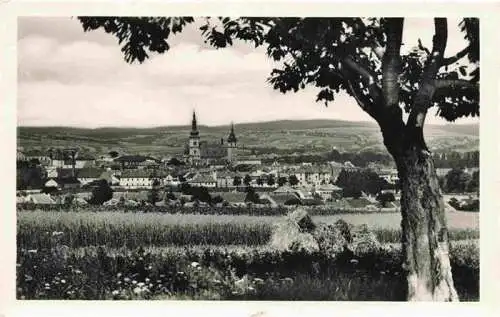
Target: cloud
point(68, 77)
point(61, 30)
point(81, 61)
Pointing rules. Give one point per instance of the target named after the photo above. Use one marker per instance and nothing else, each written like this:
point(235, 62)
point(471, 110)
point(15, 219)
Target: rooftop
point(133, 158)
point(203, 178)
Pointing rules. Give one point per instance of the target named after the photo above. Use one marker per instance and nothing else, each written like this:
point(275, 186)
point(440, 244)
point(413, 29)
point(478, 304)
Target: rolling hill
point(306, 135)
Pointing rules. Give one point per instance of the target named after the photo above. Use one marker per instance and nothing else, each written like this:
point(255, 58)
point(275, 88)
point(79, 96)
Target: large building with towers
point(203, 152)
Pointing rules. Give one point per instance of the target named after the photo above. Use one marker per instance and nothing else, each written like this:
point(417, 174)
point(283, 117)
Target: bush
point(203, 210)
point(385, 197)
point(101, 193)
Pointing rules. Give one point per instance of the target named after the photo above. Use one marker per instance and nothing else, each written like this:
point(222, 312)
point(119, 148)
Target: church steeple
point(194, 142)
point(231, 145)
point(232, 136)
point(194, 126)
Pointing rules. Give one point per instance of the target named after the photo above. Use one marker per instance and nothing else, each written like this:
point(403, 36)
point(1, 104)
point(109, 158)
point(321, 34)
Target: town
point(224, 173)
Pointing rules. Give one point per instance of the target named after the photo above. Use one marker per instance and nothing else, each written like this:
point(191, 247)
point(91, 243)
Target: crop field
point(115, 229)
point(118, 255)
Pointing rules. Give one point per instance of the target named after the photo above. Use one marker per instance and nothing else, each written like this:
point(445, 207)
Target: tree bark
point(424, 231)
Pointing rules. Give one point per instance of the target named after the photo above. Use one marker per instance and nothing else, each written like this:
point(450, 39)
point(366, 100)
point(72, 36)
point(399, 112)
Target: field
point(115, 229)
point(310, 135)
point(116, 255)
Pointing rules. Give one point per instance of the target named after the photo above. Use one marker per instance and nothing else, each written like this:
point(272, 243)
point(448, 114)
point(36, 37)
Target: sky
point(67, 77)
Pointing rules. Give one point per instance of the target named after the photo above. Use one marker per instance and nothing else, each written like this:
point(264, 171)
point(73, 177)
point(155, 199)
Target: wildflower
point(195, 264)
point(287, 280)
point(141, 284)
point(63, 281)
point(134, 282)
point(146, 280)
point(47, 284)
point(115, 292)
point(126, 279)
point(57, 233)
point(119, 275)
point(33, 251)
point(78, 272)
point(137, 290)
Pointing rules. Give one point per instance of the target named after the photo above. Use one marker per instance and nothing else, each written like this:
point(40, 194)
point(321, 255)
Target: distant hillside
point(308, 135)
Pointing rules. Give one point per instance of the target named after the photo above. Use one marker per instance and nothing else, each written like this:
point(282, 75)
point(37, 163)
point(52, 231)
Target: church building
point(203, 152)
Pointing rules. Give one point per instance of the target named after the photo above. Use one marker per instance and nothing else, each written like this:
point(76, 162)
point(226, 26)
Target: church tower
point(231, 145)
point(194, 142)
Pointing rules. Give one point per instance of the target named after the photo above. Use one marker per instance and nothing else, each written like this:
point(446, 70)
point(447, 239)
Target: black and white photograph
point(248, 158)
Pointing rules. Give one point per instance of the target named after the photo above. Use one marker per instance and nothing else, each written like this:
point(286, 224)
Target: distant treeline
point(456, 159)
point(363, 159)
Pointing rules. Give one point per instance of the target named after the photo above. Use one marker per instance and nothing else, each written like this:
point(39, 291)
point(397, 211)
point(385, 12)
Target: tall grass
point(132, 230)
point(113, 229)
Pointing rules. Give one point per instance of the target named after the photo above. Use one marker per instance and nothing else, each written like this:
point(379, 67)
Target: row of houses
point(57, 159)
point(264, 177)
point(281, 196)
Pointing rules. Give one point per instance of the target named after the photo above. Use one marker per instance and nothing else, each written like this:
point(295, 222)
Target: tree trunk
point(424, 231)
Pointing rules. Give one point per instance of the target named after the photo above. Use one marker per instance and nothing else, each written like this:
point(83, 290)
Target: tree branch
point(377, 49)
point(454, 83)
point(450, 60)
point(368, 76)
point(361, 100)
point(423, 48)
point(350, 74)
point(391, 62)
point(425, 94)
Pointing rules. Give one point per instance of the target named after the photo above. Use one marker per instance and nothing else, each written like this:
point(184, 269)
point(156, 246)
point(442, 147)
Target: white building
point(203, 180)
point(314, 175)
point(136, 178)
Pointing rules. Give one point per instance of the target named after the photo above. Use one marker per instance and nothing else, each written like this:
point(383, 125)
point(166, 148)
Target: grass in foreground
point(204, 273)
